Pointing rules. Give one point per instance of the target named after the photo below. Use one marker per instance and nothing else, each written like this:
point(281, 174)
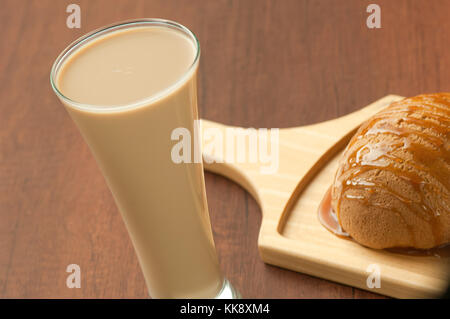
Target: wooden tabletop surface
point(264, 64)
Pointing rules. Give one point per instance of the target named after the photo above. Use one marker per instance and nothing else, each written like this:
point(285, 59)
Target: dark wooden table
point(264, 64)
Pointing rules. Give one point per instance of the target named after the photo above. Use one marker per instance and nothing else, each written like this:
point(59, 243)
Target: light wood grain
point(291, 235)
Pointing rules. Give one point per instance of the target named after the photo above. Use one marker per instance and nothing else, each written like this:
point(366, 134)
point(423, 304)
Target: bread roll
point(392, 186)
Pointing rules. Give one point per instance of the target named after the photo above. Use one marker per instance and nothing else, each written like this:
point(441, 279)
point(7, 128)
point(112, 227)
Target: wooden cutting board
point(291, 235)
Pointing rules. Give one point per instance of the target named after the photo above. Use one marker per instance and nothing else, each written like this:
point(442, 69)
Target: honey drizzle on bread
point(403, 153)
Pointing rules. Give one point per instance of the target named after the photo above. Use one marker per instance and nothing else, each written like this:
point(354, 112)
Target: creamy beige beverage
point(127, 91)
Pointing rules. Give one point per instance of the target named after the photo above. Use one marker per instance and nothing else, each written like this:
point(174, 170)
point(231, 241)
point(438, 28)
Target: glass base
point(228, 291)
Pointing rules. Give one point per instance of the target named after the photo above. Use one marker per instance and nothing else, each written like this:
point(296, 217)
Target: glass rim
point(128, 24)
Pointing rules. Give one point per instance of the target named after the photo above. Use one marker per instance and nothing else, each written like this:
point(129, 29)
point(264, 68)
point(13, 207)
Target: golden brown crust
point(392, 187)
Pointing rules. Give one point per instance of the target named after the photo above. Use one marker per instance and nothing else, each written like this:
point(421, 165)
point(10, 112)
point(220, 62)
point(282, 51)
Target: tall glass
point(162, 202)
